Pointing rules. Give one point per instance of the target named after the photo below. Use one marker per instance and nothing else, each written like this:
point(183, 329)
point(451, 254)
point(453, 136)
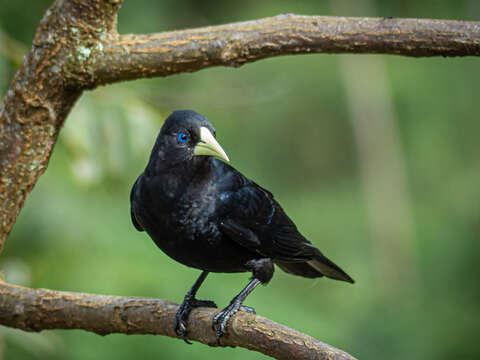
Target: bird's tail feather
point(299, 268)
point(329, 268)
point(319, 266)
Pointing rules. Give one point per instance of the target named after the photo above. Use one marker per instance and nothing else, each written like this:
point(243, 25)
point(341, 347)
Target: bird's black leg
point(221, 319)
point(262, 273)
point(189, 303)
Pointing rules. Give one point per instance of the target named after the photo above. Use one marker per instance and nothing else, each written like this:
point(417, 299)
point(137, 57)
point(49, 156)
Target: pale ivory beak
point(208, 146)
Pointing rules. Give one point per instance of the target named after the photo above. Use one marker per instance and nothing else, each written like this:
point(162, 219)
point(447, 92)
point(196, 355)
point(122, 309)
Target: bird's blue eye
point(182, 137)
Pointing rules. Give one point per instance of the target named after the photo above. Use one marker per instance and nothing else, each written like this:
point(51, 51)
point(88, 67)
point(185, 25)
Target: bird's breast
point(183, 222)
point(180, 222)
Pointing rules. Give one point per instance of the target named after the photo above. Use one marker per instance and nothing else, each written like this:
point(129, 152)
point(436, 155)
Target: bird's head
point(186, 136)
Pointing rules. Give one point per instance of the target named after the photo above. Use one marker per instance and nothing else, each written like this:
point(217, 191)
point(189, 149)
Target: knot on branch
point(234, 54)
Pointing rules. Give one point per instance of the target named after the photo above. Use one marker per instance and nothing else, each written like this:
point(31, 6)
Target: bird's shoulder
point(252, 217)
point(239, 196)
point(250, 205)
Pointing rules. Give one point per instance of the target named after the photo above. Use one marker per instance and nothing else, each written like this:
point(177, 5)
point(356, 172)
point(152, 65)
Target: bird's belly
point(210, 251)
point(197, 253)
point(187, 231)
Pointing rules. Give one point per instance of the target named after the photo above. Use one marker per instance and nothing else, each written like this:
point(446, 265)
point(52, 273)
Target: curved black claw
point(180, 326)
point(220, 321)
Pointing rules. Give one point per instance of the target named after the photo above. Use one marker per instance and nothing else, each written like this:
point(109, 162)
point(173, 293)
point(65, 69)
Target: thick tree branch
point(40, 96)
point(39, 309)
point(162, 54)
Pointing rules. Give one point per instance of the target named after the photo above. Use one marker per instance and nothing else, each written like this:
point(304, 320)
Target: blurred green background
point(376, 159)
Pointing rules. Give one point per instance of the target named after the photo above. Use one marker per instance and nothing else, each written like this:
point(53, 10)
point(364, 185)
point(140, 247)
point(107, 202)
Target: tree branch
point(76, 47)
point(40, 96)
point(39, 309)
point(162, 54)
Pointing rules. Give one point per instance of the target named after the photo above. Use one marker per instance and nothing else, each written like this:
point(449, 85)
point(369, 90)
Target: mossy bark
point(42, 93)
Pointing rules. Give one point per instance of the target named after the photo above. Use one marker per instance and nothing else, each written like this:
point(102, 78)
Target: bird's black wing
point(252, 218)
point(133, 204)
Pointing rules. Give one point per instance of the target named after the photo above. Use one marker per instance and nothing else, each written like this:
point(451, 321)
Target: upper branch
point(77, 47)
point(39, 309)
point(135, 56)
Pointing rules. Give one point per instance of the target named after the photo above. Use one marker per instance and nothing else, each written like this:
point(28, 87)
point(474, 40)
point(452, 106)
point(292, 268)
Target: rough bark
point(41, 96)
point(40, 309)
point(162, 54)
point(76, 47)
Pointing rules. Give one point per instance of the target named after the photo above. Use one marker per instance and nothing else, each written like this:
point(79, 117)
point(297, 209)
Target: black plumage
point(205, 214)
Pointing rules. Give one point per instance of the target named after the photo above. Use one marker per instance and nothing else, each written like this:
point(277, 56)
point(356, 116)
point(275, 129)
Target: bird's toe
point(220, 321)
point(180, 326)
point(181, 330)
point(222, 328)
point(248, 309)
point(216, 319)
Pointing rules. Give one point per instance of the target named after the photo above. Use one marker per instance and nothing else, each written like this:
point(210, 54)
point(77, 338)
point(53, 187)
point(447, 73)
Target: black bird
point(205, 214)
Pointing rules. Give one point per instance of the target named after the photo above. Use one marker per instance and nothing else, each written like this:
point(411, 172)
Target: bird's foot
point(220, 321)
point(189, 303)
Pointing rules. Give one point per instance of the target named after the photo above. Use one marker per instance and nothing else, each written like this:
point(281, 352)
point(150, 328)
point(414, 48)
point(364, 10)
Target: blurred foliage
point(284, 122)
